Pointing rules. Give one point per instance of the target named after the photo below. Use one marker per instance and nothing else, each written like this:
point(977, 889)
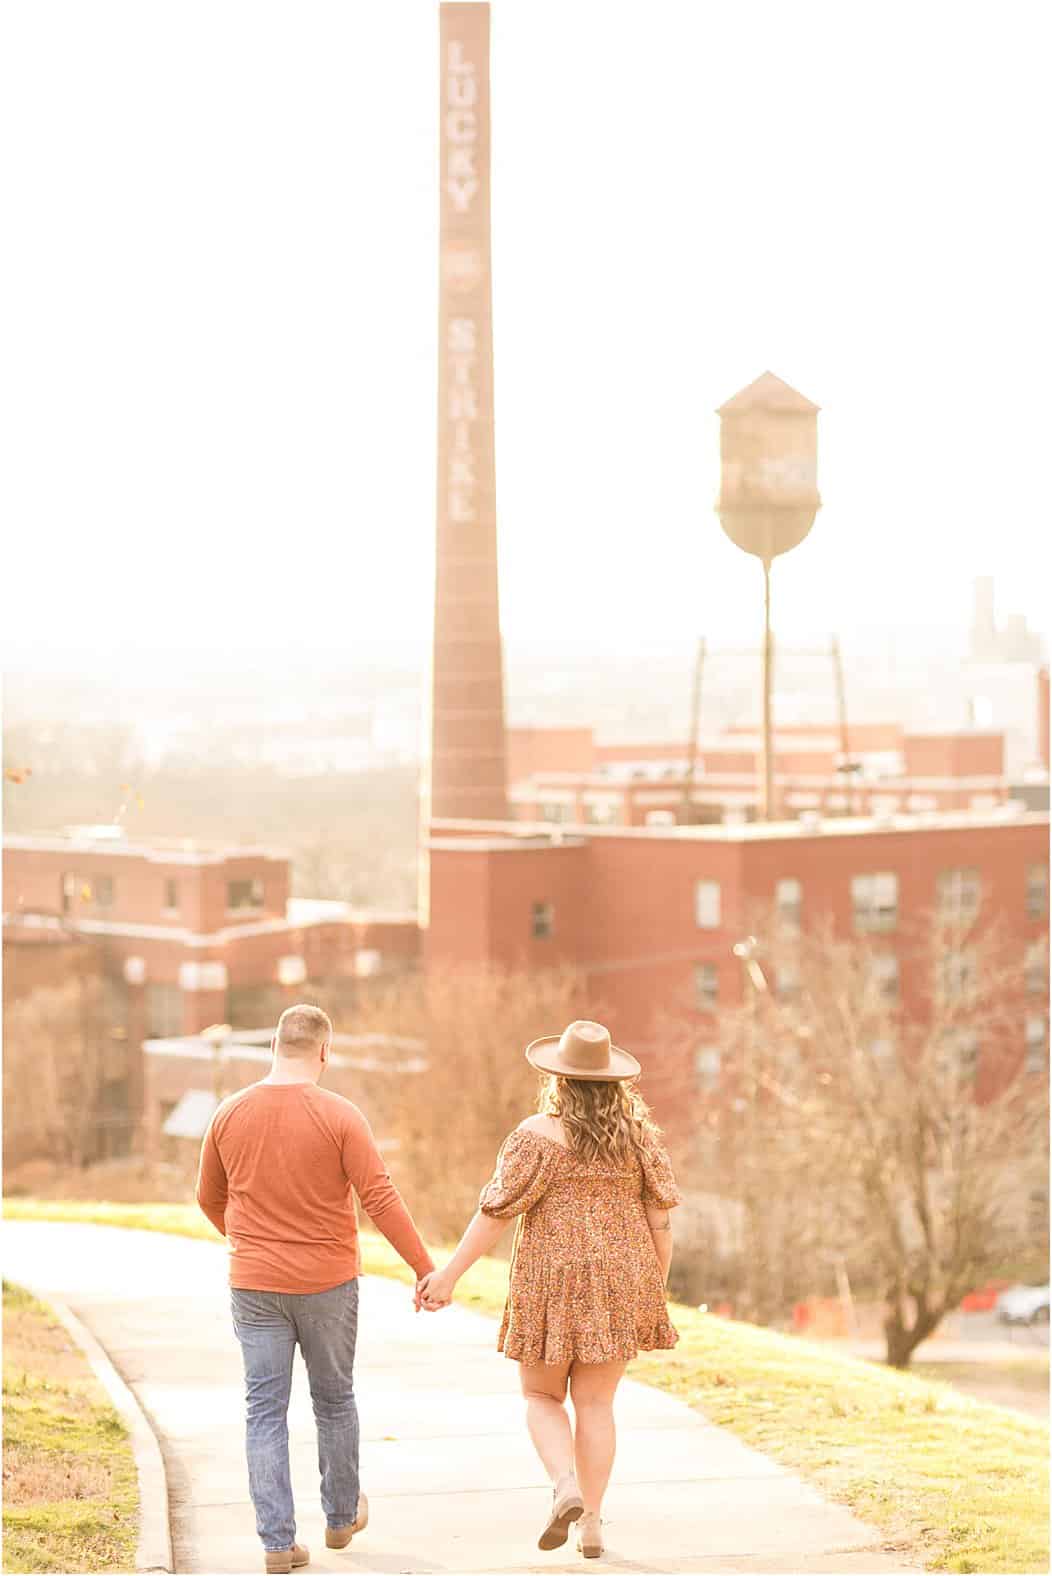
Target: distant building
point(565, 776)
point(1011, 642)
point(193, 935)
point(649, 915)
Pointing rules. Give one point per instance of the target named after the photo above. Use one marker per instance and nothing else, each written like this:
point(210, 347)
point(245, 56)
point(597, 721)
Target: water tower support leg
point(767, 797)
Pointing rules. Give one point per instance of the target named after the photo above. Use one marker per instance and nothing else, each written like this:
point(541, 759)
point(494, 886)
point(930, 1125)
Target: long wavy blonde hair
point(604, 1120)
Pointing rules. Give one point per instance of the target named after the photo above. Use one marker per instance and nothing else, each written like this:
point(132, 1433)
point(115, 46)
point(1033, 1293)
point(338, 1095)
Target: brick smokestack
point(466, 775)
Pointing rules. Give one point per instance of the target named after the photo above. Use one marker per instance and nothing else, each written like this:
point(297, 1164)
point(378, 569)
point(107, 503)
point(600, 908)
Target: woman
point(592, 1188)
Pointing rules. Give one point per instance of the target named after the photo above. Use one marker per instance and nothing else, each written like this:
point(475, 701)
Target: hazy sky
point(221, 311)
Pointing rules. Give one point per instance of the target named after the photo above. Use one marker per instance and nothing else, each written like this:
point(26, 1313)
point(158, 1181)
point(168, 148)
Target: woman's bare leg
point(544, 1388)
point(592, 1387)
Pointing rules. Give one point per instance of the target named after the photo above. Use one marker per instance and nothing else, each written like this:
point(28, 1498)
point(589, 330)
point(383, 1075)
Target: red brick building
point(650, 915)
point(563, 775)
point(190, 935)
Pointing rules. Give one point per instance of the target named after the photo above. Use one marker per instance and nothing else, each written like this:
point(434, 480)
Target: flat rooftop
point(535, 834)
point(111, 840)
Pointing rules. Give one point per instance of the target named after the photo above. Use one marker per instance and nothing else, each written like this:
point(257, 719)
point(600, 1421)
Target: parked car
point(1023, 1305)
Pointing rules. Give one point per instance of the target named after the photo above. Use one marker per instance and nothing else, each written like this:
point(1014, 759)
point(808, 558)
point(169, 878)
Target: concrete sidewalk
point(452, 1481)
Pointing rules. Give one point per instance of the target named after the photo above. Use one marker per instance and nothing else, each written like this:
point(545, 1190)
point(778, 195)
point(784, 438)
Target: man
point(278, 1165)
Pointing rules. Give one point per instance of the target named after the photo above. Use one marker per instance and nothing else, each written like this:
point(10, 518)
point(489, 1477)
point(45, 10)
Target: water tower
point(768, 498)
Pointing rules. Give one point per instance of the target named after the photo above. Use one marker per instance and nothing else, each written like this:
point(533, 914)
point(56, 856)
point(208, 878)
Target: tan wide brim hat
point(582, 1050)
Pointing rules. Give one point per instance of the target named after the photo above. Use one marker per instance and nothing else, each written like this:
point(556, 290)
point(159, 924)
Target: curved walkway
point(452, 1481)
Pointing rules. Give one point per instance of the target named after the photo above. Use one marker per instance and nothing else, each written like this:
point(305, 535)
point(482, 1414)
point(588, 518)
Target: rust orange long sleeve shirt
point(280, 1164)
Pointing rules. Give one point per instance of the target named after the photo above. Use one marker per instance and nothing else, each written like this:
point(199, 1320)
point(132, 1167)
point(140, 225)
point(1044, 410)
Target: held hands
point(434, 1291)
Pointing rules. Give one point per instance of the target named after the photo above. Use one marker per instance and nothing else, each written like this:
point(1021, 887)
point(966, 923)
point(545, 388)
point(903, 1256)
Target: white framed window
point(959, 1053)
point(171, 897)
point(542, 921)
point(789, 901)
point(602, 812)
point(367, 962)
point(884, 972)
point(707, 1063)
point(956, 974)
point(245, 893)
point(292, 970)
point(164, 1012)
point(1035, 969)
point(1036, 891)
point(959, 893)
point(875, 900)
point(555, 811)
point(203, 976)
point(707, 905)
point(786, 980)
point(706, 986)
point(1036, 1043)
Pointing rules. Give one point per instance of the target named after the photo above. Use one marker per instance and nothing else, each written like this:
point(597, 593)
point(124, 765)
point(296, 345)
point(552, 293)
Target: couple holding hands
point(587, 1182)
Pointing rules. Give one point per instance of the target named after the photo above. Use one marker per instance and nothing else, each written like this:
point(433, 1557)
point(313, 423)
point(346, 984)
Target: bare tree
point(57, 1045)
point(473, 1083)
point(900, 1128)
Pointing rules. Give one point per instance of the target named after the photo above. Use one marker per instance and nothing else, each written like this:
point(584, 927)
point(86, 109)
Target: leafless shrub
point(898, 1126)
point(450, 1117)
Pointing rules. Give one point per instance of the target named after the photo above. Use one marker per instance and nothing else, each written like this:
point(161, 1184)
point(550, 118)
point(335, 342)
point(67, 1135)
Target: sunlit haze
point(221, 335)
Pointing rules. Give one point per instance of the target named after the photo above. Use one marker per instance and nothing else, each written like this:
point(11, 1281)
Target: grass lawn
point(70, 1490)
point(955, 1483)
point(1020, 1383)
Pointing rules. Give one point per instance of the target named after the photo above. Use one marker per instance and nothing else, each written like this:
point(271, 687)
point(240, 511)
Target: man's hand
point(420, 1289)
point(436, 1290)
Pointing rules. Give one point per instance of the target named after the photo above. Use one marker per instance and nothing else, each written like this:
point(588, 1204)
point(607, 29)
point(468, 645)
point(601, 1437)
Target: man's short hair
point(302, 1030)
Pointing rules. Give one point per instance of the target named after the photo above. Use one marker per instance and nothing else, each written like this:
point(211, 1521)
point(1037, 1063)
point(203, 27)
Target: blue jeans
point(269, 1324)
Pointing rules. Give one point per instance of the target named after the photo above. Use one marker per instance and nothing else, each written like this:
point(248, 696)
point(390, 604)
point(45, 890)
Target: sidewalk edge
point(154, 1548)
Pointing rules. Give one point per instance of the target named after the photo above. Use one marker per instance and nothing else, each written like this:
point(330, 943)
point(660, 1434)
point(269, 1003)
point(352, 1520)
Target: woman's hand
point(437, 1290)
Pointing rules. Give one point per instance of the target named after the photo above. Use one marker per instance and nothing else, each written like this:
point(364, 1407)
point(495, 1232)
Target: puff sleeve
point(659, 1185)
point(521, 1177)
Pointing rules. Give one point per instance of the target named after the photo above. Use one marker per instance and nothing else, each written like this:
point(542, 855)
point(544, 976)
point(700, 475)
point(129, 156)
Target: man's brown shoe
point(284, 1560)
point(339, 1537)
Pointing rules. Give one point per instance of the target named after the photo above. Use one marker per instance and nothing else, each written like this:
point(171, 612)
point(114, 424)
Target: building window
point(1036, 891)
point(959, 893)
point(884, 973)
point(247, 893)
point(789, 902)
point(601, 813)
point(959, 1053)
point(171, 897)
point(707, 905)
point(956, 975)
point(875, 899)
point(164, 1011)
point(292, 970)
point(707, 1060)
point(1036, 1044)
point(543, 921)
point(786, 981)
point(78, 889)
point(554, 810)
point(1035, 969)
point(706, 986)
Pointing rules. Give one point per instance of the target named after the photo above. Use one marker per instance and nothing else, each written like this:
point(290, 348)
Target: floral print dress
point(585, 1282)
